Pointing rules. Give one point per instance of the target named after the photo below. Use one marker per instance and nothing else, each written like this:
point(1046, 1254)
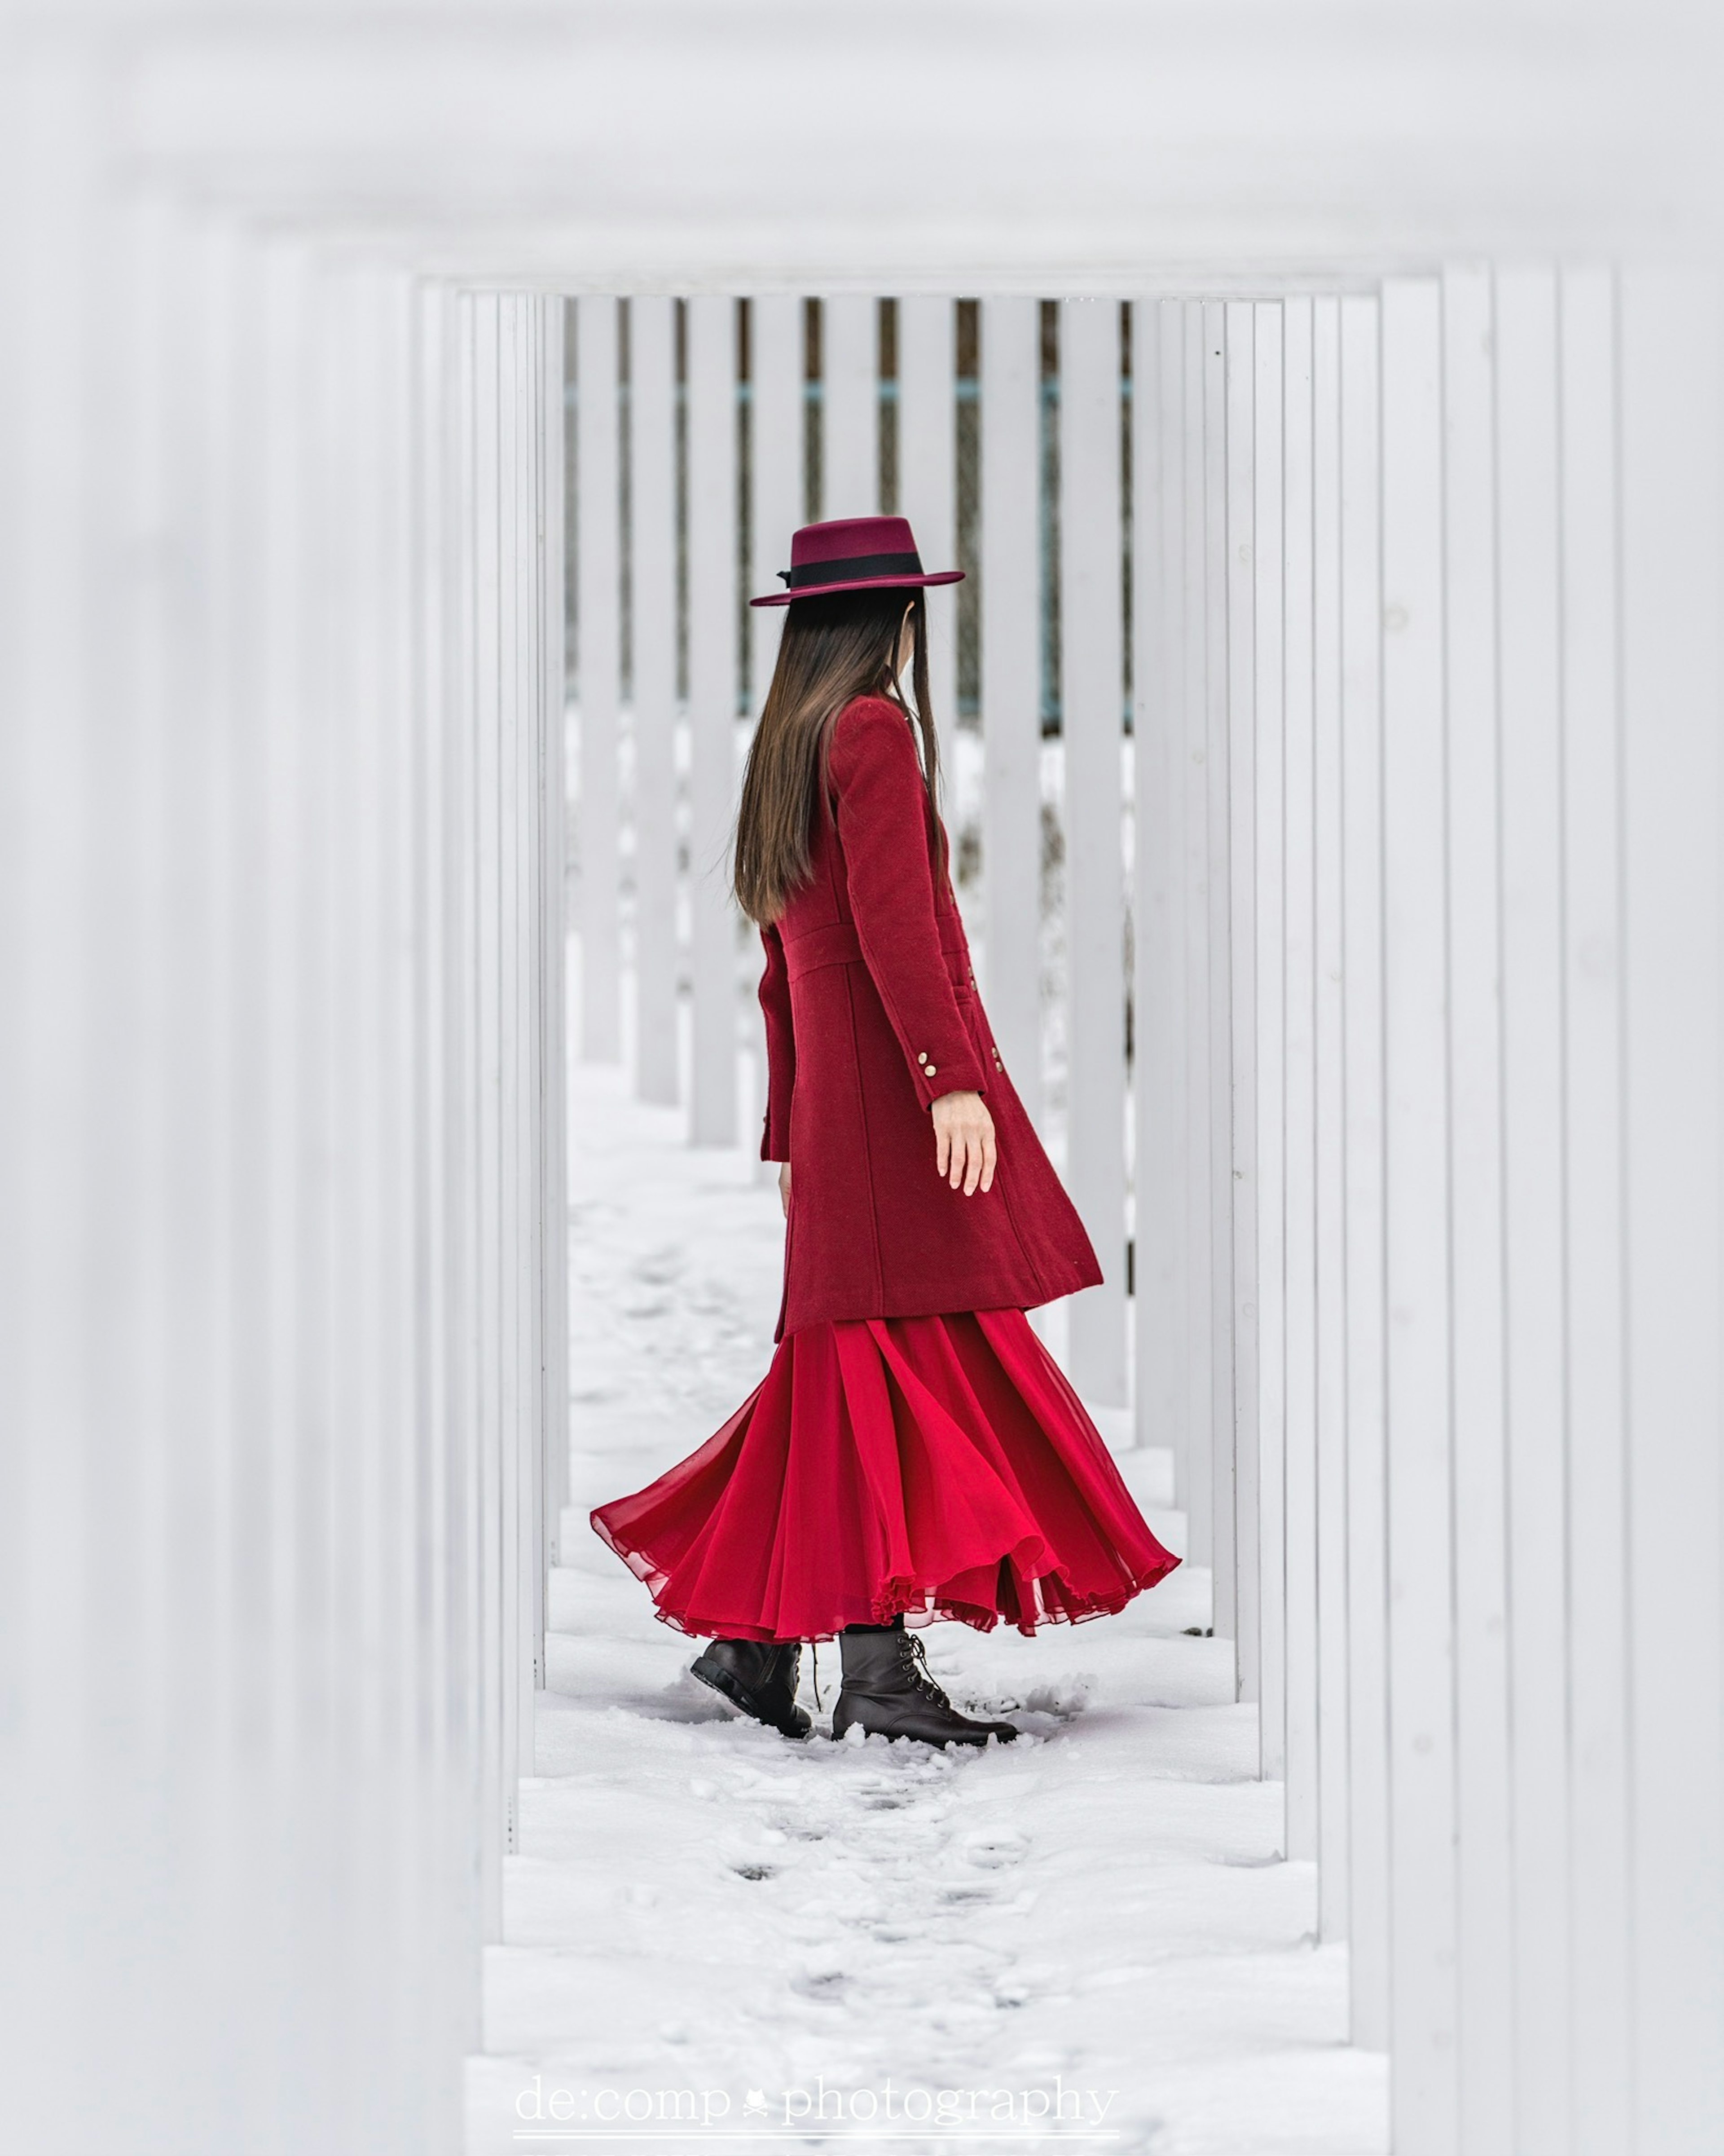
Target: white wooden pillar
point(1472, 650)
point(1671, 342)
point(598, 616)
point(1217, 898)
point(775, 436)
point(552, 879)
point(1600, 1736)
point(1268, 428)
point(1197, 1257)
point(1420, 1257)
point(1241, 1107)
point(652, 699)
point(1299, 1159)
point(1362, 983)
point(712, 712)
point(927, 481)
point(849, 400)
point(1011, 687)
point(1092, 697)
point(1328, 1106)
point(1157, 674)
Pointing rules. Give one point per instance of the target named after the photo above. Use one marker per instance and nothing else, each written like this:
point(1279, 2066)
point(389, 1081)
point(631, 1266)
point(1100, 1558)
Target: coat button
point(931, 1068)
point(922, 1056)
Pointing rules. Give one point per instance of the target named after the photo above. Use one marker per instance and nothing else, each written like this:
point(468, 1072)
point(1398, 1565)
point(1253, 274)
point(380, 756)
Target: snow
point(712, 1934)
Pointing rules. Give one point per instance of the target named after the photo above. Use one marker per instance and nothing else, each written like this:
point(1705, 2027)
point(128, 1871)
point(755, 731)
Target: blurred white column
point(1299, 1158)
point(775, 437)
point(1092, 699)
point(1362, 987)
point(1422, 1907)
point(849, 407)
point(1268, 430)
point(598, 614)
point(1159, 956)
point(712, 712)
point(927, 481)
point(1240, 1108)
point(652, 698)
point(1011, 685)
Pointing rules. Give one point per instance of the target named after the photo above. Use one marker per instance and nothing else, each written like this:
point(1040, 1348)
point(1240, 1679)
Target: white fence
point(1419, 1138)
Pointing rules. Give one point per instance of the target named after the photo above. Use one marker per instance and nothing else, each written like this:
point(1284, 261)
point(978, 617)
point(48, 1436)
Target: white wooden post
point(775, 436)
point(1329, 1222)
point(1158, 742)
point(1092, 698)
point(1217, 898)
point(927, 481)
point(849, 402)
point(1672, 362)
point(1197, 1260)
point(1600, 1736)
point(712, 712)
point(1298, 903)
point(552, 879)
point(1241, 1109)
point(1268, 419)
point(598, 603)
point(1485, 1970)
point(1362, 985)
point(1011, 687)
point(652, 698)
point(1422, 1822)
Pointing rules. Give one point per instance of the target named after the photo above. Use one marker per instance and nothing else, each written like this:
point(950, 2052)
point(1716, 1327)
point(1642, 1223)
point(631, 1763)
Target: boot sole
point(936, 1744)
point(725, 1685)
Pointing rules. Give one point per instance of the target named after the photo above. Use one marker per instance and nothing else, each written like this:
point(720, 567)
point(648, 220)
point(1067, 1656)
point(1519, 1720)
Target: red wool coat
point(871, 1012)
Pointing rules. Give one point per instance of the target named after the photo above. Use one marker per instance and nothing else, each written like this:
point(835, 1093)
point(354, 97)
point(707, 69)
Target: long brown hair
point(833, 649)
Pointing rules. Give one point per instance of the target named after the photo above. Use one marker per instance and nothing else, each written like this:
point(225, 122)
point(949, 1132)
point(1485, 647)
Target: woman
point(913, 1450)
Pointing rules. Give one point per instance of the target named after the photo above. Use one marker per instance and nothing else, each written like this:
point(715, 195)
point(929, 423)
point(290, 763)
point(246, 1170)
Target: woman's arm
point(781, 1049)
point(882, 821)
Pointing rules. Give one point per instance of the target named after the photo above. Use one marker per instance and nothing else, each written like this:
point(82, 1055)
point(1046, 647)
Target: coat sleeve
point(781, 1049)
point(882, 823)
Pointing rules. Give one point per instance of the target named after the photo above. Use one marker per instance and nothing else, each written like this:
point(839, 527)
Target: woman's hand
point(784, 1187)
point(963, 1141)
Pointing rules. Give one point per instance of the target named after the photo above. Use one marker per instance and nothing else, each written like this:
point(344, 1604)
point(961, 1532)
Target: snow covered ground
point(714, 1936)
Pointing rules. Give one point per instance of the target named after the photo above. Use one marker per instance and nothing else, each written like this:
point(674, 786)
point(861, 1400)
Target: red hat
point(854, 554)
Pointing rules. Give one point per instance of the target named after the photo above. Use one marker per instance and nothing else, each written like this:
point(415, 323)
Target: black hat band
point(857, 568)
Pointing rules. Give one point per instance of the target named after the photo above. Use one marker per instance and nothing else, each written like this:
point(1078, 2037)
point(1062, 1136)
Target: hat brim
point(861, 584)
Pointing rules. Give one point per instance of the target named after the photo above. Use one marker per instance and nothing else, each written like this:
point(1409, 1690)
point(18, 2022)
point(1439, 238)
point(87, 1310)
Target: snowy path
point(702, 1913)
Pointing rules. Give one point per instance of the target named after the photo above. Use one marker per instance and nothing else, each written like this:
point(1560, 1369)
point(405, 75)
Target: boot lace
point(914, 1658)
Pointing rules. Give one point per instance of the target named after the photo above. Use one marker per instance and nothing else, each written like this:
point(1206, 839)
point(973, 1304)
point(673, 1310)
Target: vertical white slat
point(598, 604)
point(1218, 896)
point(712, 712)
point(1486, 1970)
point(1362, 984)
point(1416, 1047)
point(1199, 1489)
point(501, 417)
point(1601, 1908)
point(1529, 672)
point(553, 823)
point(1299, 1008)
point(496, 1727)
point(652, 700)
point(1158, 741)
point(1011, 687)
point(849, 406)
point(775, 453)
point(1242, 959)
point(1672, 360)
point(1092, 692)
point(1268, 428)
point(1329, 1223)
point(927, 481)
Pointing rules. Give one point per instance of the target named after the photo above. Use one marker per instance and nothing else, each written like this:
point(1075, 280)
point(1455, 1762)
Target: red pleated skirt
point(940, 1466)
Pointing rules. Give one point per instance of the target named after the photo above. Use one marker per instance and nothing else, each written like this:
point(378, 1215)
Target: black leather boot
point(759, 1677)
point(887, 1693)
